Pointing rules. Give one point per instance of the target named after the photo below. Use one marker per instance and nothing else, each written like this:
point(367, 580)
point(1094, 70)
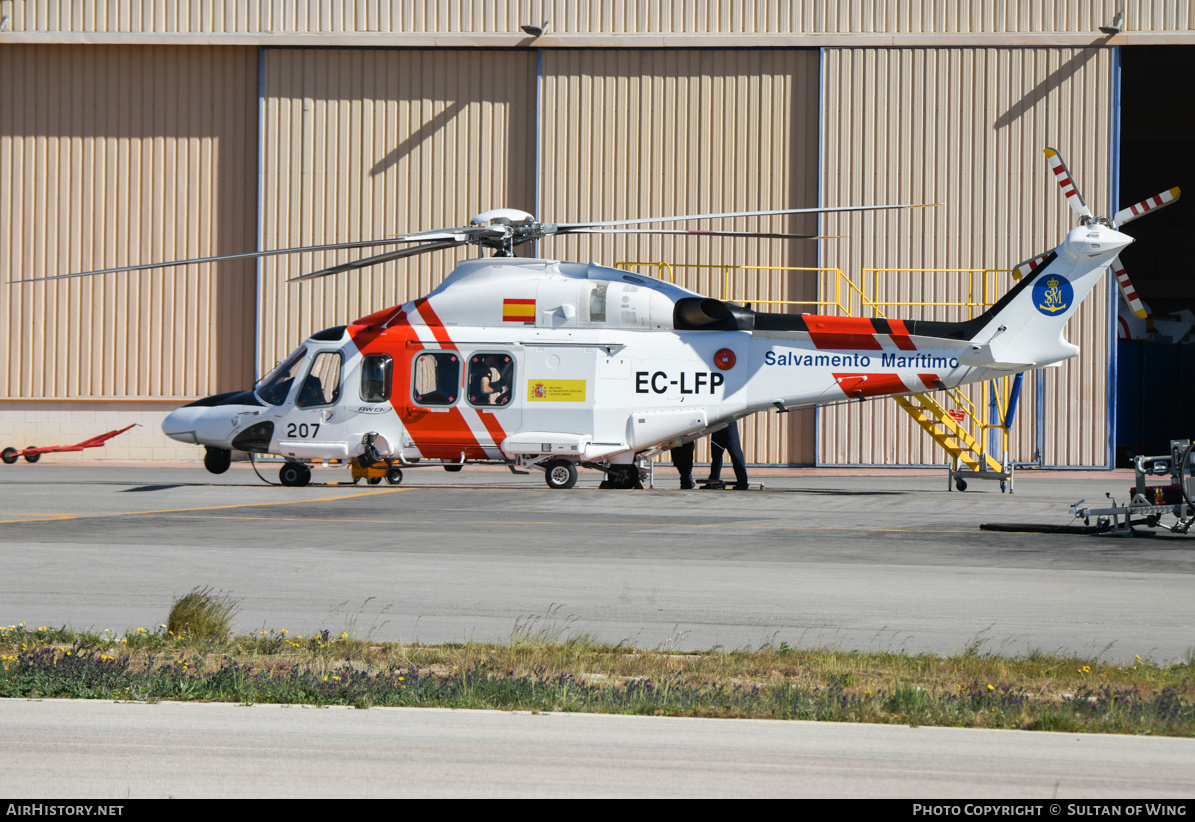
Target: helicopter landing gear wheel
point(394, 476)
point(9, 456)
point(217, 460)
point(622, 477)
point(32, 457)
point(960, 483)
point(560, 474)
point(294, 475)
point(374, 480)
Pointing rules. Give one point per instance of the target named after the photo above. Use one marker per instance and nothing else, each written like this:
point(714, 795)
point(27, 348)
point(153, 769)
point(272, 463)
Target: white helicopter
point(551, 365)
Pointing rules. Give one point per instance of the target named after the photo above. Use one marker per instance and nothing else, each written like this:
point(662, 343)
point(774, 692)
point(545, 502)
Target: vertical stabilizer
point(1024, 330)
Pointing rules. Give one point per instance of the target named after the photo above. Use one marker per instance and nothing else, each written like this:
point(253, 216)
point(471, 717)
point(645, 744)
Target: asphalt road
point(114, 751)
point(888, 561)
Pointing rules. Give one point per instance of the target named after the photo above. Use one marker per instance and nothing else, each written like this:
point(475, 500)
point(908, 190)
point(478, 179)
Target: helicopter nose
point(182, 423)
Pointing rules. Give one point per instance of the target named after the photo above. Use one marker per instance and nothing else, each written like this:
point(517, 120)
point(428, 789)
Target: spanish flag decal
point(518, 311)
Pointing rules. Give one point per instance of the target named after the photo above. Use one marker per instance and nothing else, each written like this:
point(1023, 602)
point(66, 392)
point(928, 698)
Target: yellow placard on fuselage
point(556, 391)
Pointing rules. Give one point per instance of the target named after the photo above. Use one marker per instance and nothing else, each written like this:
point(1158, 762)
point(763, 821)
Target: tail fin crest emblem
point(1053, 295)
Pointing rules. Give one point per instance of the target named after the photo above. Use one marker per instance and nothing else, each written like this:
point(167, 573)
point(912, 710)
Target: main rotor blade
point(696, 232)
point(1127, 215)
point(1063, 175)
point(242, 256)
point(567, 228)
point(380, 258)
point(1126, 288)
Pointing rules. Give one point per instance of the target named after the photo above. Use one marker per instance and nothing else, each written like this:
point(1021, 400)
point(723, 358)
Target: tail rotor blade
point(1062, 174)
point(1127, 290)
point(378, 259)
point(1127, 215)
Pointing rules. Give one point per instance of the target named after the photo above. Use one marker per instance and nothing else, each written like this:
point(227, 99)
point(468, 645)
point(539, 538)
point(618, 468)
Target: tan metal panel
point(365, 143)
point(115, 155)
point(598, 16)
point(967, 127)
point(631, 134)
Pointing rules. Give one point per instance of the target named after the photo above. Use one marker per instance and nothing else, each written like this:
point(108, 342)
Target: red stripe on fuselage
point(439, 433)
point(433, 322)
point(492, 426)
point(842, 333)
point(870, 385)
point(900, 336)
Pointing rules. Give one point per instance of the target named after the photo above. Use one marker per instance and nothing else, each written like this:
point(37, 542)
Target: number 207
point(302, 430)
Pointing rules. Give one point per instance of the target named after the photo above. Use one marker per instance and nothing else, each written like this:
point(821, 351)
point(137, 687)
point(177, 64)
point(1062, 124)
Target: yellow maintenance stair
point(951, 429)
point(948, 432)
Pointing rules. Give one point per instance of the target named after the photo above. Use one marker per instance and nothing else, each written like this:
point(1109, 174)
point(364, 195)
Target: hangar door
point(117, 155)
point(966, 127)
point(364, 143)
point(639, 133)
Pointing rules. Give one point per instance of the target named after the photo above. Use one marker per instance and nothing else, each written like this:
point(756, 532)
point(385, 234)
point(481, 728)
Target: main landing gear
point(560, 474)
point(622, 477)
point(294, 475)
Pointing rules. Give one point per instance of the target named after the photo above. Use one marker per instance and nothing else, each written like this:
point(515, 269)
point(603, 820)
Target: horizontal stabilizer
point(1023, 268)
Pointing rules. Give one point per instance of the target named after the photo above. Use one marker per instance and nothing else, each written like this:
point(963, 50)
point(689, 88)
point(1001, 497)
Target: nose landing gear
point(217, 460)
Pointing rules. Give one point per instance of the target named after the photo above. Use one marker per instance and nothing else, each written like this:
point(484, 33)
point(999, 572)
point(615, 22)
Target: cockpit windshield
point(275, 388)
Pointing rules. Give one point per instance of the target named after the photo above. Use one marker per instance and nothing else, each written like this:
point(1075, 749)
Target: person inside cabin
point(492, 387)
point(312, 392)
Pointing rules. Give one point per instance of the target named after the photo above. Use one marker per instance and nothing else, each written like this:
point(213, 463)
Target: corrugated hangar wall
point(359, 142)
point(109, 156)
point(966, 127)
point(598, 16)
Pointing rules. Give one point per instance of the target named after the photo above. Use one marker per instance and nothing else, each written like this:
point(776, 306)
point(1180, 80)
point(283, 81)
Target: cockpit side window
point(322, 386)
point(377, 371)
point(491, 379)
point(275, 388)
point(437, 378)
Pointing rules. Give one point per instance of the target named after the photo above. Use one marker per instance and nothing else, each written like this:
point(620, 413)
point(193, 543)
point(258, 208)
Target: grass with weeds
point(542, 669)
point(202, 615)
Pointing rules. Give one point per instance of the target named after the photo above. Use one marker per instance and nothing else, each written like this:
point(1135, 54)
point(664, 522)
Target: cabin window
point(437, 378)
point(322, 386)
point(275, 388)
point(376, 373)
point(597, 303)
point(491, 380)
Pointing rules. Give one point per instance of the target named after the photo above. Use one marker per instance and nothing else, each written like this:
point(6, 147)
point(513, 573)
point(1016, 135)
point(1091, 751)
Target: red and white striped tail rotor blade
point(1021, 269)
point(1063, 175)
point(1127, 215)
point(1126, 289)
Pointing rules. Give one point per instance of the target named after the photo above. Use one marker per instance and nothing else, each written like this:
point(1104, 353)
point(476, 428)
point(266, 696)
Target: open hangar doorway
point(1155, 386)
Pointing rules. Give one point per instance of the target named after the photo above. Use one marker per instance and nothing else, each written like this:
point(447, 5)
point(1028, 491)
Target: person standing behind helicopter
point(727, 440)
